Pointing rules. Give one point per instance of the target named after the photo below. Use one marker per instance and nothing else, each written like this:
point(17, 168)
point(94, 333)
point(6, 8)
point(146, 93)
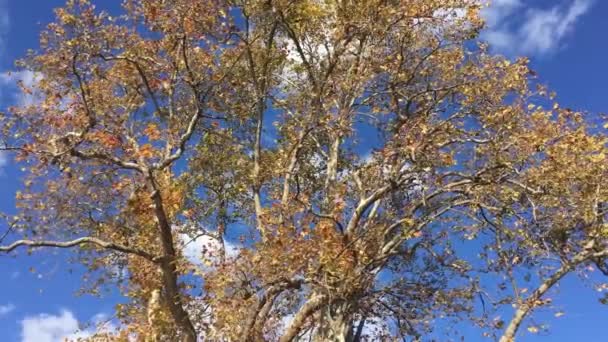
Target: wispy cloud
point(6, 309)
point(11, 80)
point(58, 328)
point(514, 28)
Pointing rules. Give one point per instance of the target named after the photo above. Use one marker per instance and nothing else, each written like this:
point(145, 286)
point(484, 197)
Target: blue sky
point(563, 38)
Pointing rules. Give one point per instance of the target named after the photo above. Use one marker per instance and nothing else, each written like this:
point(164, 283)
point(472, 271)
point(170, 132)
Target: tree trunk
point(169, 270)
point(335, 324)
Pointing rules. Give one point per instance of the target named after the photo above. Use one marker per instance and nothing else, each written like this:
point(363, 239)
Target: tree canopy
point(358, 170)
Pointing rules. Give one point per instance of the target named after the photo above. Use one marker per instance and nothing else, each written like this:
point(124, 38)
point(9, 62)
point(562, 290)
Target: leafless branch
point(78, 242)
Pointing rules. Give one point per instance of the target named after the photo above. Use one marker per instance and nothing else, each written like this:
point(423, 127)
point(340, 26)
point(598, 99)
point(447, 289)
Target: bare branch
point(78, 242)
point(108, 158)
point(534, 300)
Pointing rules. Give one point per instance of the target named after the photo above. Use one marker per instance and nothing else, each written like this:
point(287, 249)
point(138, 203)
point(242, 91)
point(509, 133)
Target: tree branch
point(300, 319)
point(78, 242)
point(106, 157)
point(532, 301)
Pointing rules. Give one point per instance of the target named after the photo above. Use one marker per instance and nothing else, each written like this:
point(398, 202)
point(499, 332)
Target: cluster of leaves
point(358, 142)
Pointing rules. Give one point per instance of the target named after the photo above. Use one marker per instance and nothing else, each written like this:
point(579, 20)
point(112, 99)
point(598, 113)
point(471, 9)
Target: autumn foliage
point(360, 170)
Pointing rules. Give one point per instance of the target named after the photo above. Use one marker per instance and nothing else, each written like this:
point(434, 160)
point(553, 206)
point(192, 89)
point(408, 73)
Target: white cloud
point(374, 327)
point(513, 28)
point(48, 328)
point(59, 328)
point(205, 248)
point(6, 309)
point(100, 324)
point(28, 79)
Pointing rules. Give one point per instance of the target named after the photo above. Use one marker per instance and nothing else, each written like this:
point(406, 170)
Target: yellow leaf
point(152, 131)
point(533, 329)
point(598, 157)
point(408, 222)
point(146, 151)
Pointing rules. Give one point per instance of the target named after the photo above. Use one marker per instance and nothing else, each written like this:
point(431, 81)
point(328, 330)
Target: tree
point(367, 147)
